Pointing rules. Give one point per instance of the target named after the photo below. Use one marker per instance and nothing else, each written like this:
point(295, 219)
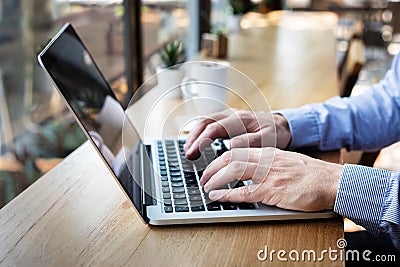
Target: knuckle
point(253, 139)
point(236, 166)
point(212, 127)
point(244, 193)
point(235, 142)
point(228, 196)
point(226, 157)
point(241, 113)
point(205, 121)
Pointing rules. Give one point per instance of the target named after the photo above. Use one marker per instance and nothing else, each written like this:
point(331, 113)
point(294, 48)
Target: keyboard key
point(236, 184)
point(173, 164)
point(166, 196)
point(186, 166)
point(192, 185)
point(163, 173)
point(181, 208)
point(179, 196)
point(228, 206)
point(168, 209)
point(176, 179)
point(193, 191)
point(196, 203)
point(164, 184)
point(178, 190)
point(174, 169)
point(198, 208)
point(177, 184)
point(191, 181)
point(180, 202)
point(246, 206)
point(164, 178)
point(165, 189)
point(195, 198)
point(187, 174)
point(175, 174)
point(167, 202)
point(213, 206)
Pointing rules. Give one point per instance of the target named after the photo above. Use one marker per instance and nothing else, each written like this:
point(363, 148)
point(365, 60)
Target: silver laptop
point(161, 184)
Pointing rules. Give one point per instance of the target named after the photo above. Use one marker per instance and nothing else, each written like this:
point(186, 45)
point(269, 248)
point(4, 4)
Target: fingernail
point(213, 195)
point(201, 182)
point(206, 188)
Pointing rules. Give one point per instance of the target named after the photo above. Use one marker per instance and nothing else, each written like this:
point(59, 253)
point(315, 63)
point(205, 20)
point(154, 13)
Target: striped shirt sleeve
point(370, 198)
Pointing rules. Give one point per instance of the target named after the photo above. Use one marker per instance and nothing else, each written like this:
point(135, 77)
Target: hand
point(245, 128)
point(280, 178)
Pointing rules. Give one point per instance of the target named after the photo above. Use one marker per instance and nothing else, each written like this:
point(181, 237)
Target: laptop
point(162, 185)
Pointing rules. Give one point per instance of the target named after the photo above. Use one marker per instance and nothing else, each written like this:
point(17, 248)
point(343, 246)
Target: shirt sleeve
point(370, 198)
point(369, 121)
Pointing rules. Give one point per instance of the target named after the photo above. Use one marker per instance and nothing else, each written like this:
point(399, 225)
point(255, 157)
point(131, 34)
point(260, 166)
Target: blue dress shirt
point(368, 196)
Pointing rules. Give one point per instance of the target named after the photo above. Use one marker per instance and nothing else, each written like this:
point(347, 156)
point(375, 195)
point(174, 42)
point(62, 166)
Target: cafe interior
point(351, 44)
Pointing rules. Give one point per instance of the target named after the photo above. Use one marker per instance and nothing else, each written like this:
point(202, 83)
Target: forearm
point(369, 121)
point(369, 197)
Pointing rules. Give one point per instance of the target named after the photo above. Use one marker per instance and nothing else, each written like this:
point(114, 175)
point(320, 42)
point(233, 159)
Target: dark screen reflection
point(91, 99)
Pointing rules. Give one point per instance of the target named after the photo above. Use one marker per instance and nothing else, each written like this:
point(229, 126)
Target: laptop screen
point(95, 106)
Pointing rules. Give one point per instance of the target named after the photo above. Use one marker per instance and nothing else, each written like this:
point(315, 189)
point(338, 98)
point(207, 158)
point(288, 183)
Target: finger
point(247, 140)
point(263, 138)
point(238, 154)
point(199, 128)
point(236, 170)
point(237, 195)
point(223, 128)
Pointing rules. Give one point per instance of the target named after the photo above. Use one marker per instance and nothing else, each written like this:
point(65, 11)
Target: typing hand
point(280, 178)
point(245, 128)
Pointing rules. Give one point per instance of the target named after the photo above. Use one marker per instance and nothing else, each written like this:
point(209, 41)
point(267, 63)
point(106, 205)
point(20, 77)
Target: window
point(36, 129)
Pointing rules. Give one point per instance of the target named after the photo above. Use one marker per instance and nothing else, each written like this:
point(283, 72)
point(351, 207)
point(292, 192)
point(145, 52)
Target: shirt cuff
point(303, 125)
point(362, 194)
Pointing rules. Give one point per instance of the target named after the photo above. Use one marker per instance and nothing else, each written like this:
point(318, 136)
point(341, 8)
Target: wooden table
point(76, 215)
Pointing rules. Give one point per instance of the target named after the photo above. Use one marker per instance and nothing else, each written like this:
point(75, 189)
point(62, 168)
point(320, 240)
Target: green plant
point(240, 6)
point(219, 32)
point(171, 52)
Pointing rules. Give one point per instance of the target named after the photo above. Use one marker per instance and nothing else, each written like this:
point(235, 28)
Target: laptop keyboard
point(179, 179)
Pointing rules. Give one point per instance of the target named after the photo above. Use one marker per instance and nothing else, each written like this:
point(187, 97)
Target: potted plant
point(171, 76)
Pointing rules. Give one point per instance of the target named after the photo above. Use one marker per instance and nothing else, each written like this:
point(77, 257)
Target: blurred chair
point(350, 66)
point(348, 72)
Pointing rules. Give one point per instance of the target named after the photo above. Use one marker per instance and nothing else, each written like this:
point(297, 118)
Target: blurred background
point(36, 129)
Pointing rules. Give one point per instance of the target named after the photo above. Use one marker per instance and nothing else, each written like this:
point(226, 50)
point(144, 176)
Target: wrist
point(282, 131)
point(334, 179)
